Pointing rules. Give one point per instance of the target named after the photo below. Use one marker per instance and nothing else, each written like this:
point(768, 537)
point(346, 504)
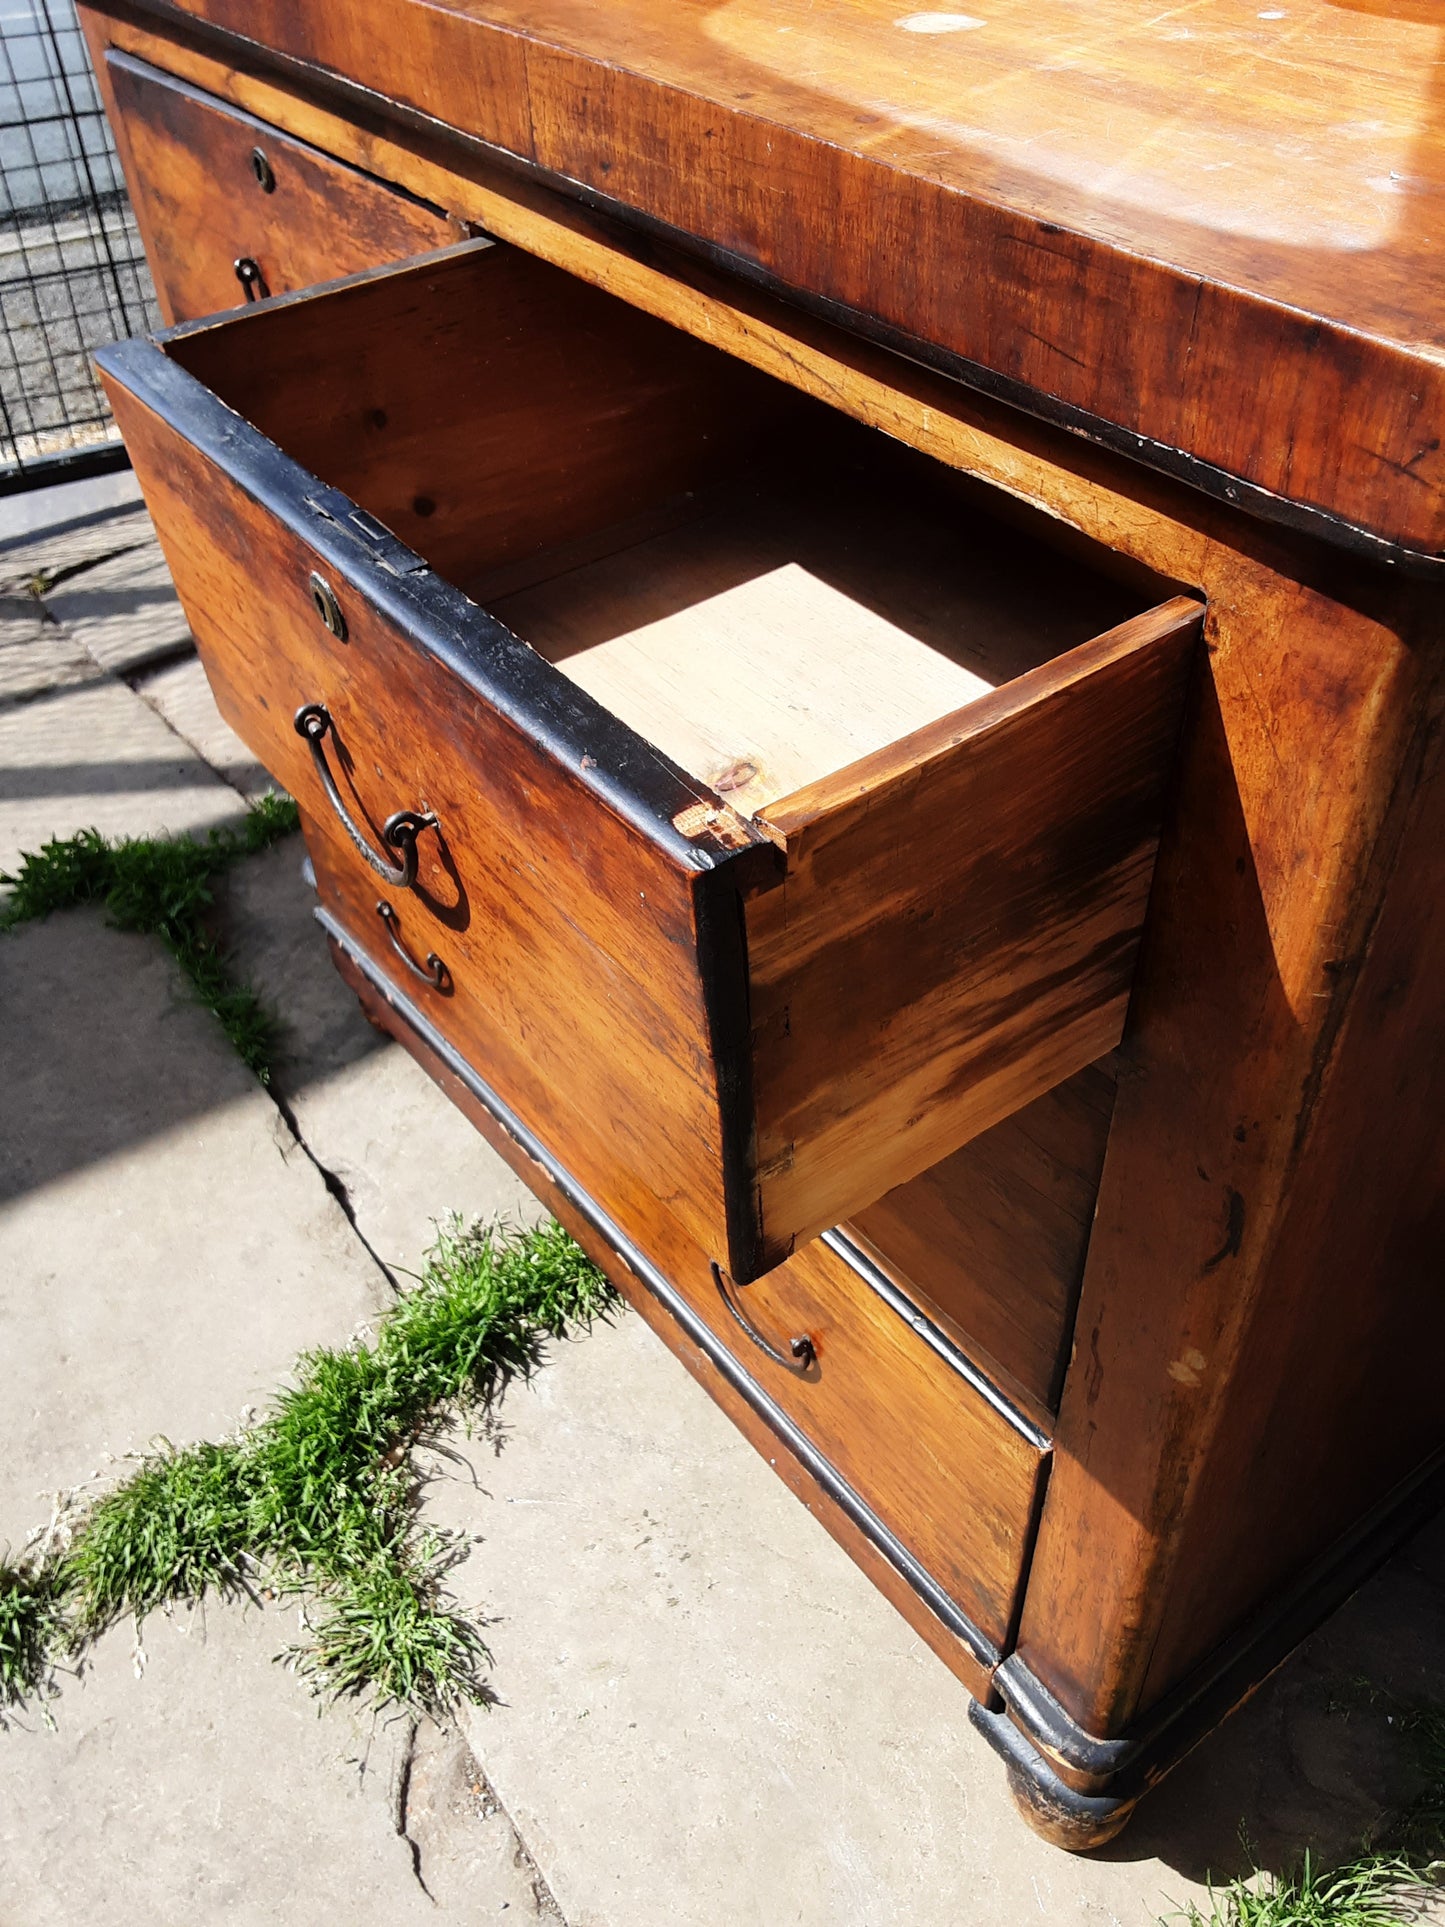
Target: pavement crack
point(489, 1804)
point(44, 580)
point(400, 1797)
point(335, 1186)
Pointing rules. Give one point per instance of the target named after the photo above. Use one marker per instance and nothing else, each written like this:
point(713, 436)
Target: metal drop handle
point(801, 1352)
point(433, 972)
point(399, 832)
point(253, 282)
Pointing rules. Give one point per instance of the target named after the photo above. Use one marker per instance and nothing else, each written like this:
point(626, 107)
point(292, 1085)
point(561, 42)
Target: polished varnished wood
point(992, 871)
point(994, 1237)
point(909, 985)
point(1248, 1316)
point(1162, 206)
point(202, 206)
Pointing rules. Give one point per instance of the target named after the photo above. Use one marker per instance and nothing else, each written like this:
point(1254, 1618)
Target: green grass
point(33, 1633)
point(1370, 1891)
point(1381, 1886)
point(163, 887)
point(318, 1498)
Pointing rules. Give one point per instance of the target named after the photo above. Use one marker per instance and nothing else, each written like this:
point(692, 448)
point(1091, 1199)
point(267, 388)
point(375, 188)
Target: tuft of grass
point(1374, 1890)
point(33, 1633)
point(318, 1497)
point(162, 887)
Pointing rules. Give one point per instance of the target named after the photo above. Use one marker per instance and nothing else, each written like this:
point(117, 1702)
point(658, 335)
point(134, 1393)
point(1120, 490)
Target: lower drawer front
point(889, 1402)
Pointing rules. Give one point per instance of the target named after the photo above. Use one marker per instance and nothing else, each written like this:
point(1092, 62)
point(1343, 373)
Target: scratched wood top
point(1214, 225)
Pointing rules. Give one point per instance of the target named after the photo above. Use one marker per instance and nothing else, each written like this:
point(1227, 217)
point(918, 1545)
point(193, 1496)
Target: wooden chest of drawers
point(734, 755)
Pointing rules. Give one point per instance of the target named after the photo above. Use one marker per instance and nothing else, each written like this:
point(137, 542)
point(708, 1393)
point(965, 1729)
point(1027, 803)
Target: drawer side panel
point(959, 923)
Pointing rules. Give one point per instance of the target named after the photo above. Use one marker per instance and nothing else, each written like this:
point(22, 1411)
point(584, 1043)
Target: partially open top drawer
point(738, 878)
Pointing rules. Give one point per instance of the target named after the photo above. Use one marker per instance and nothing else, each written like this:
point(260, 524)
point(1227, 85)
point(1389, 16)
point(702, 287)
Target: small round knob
point(262, 169)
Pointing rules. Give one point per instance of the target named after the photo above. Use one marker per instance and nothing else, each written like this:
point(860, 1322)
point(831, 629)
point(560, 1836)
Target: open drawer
point(758, 816)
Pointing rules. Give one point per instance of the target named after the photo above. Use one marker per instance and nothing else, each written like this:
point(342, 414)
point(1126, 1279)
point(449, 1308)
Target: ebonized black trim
point(1206, 478)
point(1089, 1814)
point(722, 950)
point(861, 1515)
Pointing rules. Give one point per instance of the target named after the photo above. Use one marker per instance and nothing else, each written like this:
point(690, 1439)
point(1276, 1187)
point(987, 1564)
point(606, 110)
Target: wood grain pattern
point(994, 1237)
point(201, 207)
point(957, 1484)
point(957, 928)
point(1334, 1394)
point(1297, 778)
point(1127, 275)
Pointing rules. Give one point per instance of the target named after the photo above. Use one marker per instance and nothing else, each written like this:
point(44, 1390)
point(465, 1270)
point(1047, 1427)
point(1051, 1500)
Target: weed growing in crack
point(162, 887)
point(317, 1500)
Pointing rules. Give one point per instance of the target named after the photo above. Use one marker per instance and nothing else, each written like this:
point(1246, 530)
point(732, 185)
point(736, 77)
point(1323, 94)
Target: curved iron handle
point(433, 972)
point(400, 830)
point(801, 1347)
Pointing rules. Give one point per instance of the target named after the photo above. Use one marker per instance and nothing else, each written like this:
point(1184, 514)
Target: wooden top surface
point(1214, 225)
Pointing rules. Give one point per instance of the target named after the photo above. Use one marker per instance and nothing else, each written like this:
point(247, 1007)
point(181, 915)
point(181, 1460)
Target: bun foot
point(1077, 1827)
point(1077, 1822)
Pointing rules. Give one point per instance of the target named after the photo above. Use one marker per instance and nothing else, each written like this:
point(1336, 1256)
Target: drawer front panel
point(884, 1398)
point(914, 1435)
point(580, 945)
point(213, 186)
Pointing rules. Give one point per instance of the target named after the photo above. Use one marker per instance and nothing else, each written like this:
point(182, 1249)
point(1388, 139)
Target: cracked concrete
point(704, 1712)
point(168, 1244)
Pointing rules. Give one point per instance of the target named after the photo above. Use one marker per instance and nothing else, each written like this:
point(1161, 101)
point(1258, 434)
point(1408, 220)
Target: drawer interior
point(760, 587)
point(816, 607)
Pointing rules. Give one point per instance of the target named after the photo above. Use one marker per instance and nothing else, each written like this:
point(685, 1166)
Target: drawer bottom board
point(964, 1648)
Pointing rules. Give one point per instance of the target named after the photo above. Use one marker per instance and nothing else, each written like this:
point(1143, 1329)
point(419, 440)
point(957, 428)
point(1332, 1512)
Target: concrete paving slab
point(167, 1246)
point(97, 756)
point(34, 510)
point(708, 1714)
point(403, 1155)
point(123, 611)
point(181, 696)
point(37, 655)
point(31, 562)
point(208, 1791)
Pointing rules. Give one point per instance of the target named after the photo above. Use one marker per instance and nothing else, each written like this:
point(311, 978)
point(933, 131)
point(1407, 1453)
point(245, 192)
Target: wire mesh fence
point(72, 272)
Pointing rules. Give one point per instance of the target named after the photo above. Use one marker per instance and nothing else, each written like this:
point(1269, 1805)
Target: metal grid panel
point(72, 272)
